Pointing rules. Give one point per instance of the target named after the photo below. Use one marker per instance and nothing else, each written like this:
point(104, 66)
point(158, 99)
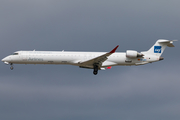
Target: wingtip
point(113, 51)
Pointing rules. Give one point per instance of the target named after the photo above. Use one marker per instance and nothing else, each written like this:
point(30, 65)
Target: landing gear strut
point(11, 66)
point(95, 72)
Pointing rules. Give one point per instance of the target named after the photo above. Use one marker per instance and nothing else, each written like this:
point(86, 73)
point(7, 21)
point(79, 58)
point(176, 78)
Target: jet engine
point(133, 54)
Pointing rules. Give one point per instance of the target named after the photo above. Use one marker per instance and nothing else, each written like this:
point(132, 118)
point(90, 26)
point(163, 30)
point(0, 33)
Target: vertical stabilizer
point(159, 47)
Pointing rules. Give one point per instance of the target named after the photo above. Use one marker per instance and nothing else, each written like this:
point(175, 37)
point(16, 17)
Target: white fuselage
point(93, 60)
point(74, 58)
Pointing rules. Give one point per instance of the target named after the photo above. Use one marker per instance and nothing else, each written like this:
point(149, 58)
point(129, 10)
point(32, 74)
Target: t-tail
point(158, 48)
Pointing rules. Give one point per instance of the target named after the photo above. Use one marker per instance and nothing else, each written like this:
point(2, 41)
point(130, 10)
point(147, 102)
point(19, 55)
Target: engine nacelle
point(133, 54)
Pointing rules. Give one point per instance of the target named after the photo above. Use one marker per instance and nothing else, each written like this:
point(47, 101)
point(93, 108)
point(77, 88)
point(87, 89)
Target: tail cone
point(161, 58)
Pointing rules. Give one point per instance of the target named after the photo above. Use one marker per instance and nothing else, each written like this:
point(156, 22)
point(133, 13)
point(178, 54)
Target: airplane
point(91, 60)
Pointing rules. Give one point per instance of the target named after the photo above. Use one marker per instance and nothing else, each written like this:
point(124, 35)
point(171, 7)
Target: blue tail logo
point(157, 49)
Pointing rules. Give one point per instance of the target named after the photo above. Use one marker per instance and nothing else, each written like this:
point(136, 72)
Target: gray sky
point(68, 92)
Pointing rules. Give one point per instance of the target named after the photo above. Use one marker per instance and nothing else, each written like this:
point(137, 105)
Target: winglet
point(113, 51)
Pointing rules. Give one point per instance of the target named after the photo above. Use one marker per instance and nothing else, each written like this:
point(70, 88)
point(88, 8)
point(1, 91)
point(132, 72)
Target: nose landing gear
point(11, 66)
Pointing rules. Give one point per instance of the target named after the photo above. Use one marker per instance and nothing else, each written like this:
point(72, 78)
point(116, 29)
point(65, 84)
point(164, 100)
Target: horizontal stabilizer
point(169, 43)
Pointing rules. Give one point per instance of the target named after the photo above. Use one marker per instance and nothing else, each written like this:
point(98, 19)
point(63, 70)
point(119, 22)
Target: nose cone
point(6, 59)
point(3, 60)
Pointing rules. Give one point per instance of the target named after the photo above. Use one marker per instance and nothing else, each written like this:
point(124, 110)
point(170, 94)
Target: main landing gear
point(11, 66)
point(95, 72)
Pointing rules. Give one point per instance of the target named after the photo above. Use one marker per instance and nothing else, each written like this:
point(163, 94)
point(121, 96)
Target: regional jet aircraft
point(91, 60)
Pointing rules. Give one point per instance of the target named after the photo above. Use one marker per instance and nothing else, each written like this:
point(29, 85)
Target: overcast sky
point(53, 92)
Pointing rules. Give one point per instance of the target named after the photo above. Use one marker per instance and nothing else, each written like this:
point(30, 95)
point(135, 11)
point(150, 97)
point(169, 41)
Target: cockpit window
point(15, 53)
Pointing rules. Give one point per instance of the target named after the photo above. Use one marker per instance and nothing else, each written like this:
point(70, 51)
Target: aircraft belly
point(121, 60)
point(108, 63)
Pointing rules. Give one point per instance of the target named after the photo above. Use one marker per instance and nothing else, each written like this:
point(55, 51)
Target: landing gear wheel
point(11, 67)
point(95, 72)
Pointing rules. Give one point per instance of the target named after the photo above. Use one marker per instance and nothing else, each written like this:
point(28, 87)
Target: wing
point(98, 60)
